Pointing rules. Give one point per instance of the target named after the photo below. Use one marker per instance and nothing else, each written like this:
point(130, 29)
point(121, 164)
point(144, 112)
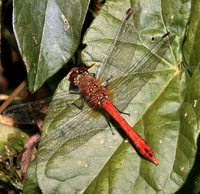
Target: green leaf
point(191, 45)
point(31, 184)
point(190, 112)
point(13, 138)
point(12, 141)
point(78, 153)
point(48, 33)
point(191, 58)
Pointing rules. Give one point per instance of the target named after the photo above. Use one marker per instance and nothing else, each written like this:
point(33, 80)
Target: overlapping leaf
point(48, 33)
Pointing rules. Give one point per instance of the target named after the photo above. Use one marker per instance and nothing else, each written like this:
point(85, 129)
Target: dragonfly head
point(76, 73)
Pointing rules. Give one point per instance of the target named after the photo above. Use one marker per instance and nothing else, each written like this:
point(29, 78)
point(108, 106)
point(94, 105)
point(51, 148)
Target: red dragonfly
point(97, 93)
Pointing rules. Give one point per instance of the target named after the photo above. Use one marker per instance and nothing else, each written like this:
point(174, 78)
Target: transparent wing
point(121, 49)
point(126, 87)
point(32, 112)
point(66, 128)
point(69, 134)
point(28, 113)
point(129, 63)
point(142, 69)
point(127, 57)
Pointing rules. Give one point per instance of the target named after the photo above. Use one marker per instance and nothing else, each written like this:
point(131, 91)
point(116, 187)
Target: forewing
point(34, 111)
point(28, 113)
point(140, 71)
point(121, 50)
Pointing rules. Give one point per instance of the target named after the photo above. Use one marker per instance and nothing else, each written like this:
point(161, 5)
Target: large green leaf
point(78, 153)
point(48, 33)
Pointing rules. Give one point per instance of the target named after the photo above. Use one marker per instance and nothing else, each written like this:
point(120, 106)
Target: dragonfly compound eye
point(76, 72)
point(82, 71)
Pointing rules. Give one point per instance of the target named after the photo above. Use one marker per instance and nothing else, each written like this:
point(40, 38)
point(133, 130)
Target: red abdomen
point(139, 142)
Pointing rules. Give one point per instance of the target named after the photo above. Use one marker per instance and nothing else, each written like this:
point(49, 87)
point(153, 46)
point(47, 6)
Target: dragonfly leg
point(76, 90)
point(106, 83)
point(73, 89)
point(121, 112)
point(108, 121)
point(124, 113)
point(81, 105)
point(92, 74)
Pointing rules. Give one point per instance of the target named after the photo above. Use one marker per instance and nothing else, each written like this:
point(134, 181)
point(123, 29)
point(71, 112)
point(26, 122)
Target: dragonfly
point(112, 74)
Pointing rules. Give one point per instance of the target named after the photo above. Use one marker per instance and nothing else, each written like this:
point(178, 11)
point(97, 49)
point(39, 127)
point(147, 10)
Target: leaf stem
point(12, 96)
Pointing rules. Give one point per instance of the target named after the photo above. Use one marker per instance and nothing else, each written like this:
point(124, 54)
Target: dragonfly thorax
point(93, 91)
